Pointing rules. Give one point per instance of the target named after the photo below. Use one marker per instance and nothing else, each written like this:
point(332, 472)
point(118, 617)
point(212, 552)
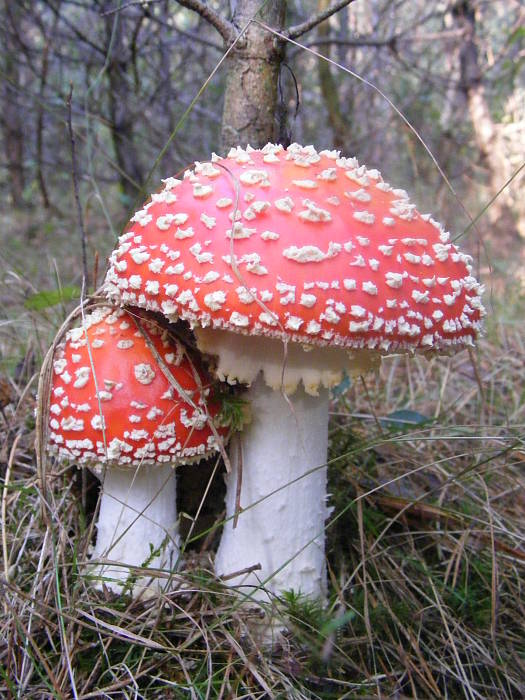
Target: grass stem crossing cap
point(112, 403)
point(302, 246)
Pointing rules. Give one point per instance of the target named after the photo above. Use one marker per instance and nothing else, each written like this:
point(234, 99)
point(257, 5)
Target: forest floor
point(426, 542)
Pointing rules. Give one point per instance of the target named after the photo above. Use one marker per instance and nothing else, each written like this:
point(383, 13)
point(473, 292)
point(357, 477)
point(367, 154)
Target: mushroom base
point(136, 528)
point(280, 524)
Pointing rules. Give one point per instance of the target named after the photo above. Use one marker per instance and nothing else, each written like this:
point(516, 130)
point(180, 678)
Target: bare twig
point(247, 570)
point(184, 395)
point(300, 29)
point(365, 41)
point(389, 41)
point(75, 187)
point(192, 36)
point(226, 29)
point(144, 4)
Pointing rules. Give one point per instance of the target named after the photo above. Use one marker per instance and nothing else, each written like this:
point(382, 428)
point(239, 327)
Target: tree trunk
point(12, 117)
point(504, 232)
point(121, 114)
point(329, 88)
point(40, 121)
point(250, 98)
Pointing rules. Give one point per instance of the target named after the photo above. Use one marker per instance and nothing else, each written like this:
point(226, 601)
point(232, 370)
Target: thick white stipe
point(282, 498)
point(137, 513)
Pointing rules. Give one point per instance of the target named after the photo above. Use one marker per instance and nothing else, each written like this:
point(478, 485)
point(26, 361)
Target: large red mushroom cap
point(112, 403)
point(300, 246)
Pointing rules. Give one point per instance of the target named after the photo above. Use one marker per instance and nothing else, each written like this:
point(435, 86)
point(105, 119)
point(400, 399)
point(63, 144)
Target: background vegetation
point(101, 98)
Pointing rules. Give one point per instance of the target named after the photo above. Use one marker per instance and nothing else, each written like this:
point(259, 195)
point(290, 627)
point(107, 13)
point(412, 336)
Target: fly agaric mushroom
point(292, 267)
point(128, 403)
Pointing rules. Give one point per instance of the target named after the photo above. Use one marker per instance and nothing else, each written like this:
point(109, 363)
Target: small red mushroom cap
point(111, 403)
point(301, 246)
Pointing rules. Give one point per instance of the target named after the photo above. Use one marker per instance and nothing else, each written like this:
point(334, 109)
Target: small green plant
point(235, 411)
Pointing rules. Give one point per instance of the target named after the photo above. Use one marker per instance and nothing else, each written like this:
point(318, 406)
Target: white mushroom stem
point(282, 497)
point(137, 517)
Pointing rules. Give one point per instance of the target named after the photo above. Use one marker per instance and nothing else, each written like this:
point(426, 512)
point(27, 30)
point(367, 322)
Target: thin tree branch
point(195, 5)
point(68, 23)
point(75, 187)
point(142, 3)
point(390, 41)
point(300, 29)
point(183, 32)
point(378, 43)
point(226, 29)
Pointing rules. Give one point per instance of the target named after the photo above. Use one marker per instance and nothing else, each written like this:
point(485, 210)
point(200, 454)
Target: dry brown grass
point(426, 550)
